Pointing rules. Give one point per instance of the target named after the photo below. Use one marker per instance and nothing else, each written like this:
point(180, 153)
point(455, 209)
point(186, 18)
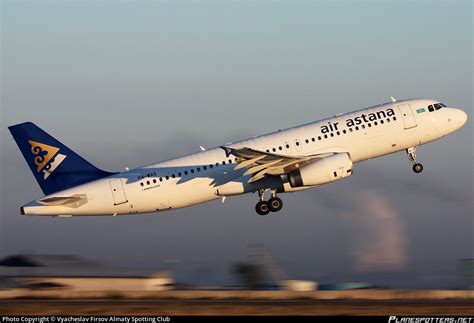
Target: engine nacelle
point(325, 170)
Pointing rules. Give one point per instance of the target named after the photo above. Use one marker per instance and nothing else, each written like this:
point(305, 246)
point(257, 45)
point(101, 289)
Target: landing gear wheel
point(262, 208)
point(275, 204)
point(418, 168)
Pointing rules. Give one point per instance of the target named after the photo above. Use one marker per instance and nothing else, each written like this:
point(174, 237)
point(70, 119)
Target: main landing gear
point(417, 167)
point(274, 204)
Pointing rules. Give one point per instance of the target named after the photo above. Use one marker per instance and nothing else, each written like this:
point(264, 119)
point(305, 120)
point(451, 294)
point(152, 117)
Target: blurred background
point(131, 83)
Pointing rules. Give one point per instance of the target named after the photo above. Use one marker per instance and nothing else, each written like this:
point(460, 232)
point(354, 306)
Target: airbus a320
point(290, 160)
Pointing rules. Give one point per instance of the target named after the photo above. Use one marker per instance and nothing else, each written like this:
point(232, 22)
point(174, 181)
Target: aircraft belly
point(193, 192)
point(376, 146)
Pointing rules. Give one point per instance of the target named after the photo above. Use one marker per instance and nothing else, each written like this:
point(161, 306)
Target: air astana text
point(364, 118)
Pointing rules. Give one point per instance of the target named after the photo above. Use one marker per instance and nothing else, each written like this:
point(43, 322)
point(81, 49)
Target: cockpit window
point(436, 106)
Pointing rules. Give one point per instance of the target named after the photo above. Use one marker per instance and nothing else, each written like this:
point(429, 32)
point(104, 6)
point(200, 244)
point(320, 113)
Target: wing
point(260, 163)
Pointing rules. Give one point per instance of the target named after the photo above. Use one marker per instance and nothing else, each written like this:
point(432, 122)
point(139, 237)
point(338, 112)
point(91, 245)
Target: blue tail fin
point(55, 166)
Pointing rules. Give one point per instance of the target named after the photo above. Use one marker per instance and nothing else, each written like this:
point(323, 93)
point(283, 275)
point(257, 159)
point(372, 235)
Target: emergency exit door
point(118, 192)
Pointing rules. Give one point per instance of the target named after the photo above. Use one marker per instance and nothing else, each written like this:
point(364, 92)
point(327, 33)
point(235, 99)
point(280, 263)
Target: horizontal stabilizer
point(69, 201)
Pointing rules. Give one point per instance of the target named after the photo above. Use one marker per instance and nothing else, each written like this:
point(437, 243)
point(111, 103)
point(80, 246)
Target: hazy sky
point(131, 83)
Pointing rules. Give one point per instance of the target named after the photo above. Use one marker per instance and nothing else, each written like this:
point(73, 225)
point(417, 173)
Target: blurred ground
point(235, 307)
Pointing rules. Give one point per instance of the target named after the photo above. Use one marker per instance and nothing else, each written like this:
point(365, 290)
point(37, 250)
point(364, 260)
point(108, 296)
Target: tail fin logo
point(47, 158)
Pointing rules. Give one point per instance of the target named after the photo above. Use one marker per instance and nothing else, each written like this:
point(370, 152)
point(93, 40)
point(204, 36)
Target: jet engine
point(322, 171)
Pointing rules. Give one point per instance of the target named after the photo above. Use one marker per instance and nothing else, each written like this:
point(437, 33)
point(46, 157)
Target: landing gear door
point(118, 192)
point(407, 115)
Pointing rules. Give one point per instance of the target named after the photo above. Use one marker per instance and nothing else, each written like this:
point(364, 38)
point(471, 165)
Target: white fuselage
point(196, 178)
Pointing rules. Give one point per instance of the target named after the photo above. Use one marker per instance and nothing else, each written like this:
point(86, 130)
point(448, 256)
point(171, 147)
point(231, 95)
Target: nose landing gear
point(417, 167)
point(274, 204)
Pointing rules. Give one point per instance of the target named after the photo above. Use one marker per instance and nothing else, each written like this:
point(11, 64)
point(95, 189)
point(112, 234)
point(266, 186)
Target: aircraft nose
point(461, 117)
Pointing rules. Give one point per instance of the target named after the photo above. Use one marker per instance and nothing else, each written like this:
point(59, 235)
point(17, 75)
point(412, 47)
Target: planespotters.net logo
point(404, 319)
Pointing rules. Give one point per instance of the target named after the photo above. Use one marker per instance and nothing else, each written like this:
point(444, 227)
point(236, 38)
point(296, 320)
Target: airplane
point(290, 160)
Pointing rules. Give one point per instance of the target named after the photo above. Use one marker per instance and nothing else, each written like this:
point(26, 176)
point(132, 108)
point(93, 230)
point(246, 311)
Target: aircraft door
point(407, 115)
point(118, 192)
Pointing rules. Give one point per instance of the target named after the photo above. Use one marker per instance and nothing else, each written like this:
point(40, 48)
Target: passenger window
point(280, 148)
point(350, 130)
point(369, 125)
point(198, 169)
point(381, 121)
point(154, 181)
point(297, 143)
point(307, 141)
point(141, 184)
point(394, 118)
point(332, 135)
point(287, 146)
point(312, 139)
point(185, 172)
point(172, 175)
point(230, 161)
point(167, 177)
point(161, 179)
point(273, 149)
point(344, 131)
point(179, 174)
point(223, 162)
point(325, 136)
point(147, 182)
point(338, 133)
point(192, 171)
point(211, 166)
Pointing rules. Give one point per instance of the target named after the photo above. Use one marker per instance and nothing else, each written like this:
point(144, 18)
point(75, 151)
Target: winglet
point(202, 148)
point(393, 99)
point(228, 151)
